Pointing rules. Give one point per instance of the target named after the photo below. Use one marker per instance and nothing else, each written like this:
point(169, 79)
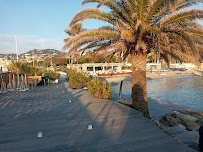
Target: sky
point(38, 24)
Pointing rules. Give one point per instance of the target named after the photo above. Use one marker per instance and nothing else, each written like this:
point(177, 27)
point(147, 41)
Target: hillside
point(39, 52)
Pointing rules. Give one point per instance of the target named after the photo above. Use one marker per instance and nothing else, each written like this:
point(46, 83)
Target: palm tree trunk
point(139, 83)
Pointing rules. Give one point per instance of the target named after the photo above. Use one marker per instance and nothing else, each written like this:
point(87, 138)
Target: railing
point(16, 82)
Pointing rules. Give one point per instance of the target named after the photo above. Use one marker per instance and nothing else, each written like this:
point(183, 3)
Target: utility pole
point(16, 45)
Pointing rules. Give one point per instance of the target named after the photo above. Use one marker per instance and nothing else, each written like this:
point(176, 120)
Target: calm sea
point(186, 91)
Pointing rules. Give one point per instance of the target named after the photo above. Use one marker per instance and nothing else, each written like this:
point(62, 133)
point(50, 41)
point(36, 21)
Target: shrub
point(63, 68)
point(99, 89)
point(51, 74)
point(54, 76)
point(76, 79)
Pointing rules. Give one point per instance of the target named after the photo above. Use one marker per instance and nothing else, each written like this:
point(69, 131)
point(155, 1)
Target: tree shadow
point(64, 125)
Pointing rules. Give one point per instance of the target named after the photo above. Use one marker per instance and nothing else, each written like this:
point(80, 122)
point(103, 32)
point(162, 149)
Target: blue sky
point(37, 24)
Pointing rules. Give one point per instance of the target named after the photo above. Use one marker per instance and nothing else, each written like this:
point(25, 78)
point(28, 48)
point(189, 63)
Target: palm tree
point(135, 28)
point(76, 29)
point(15, 67)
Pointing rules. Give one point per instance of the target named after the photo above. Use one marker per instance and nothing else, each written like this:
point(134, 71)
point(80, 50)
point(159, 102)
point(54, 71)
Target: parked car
point(183, 69)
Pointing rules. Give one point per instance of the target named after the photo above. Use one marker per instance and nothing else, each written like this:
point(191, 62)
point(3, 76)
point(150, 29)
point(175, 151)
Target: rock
point(157, 123)
point(187, 119)
point(181, 126)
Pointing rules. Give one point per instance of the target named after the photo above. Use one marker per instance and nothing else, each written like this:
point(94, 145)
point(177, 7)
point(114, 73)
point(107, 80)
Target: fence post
point(201, 138)
point(32, 83)
point(120, 90)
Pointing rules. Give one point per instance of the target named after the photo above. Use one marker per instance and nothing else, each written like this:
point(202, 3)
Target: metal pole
point(9, 81)
point(18, 82)
point(120, 90)
point(201, 138)
point(69, 59)
point(32, 83)
point(14, 84)
point(17, 48)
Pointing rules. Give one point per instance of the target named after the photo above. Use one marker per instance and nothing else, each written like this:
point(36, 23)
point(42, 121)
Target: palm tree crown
point(138, 27)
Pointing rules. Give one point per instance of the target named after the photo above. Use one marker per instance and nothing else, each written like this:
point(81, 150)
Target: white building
point(3, 64)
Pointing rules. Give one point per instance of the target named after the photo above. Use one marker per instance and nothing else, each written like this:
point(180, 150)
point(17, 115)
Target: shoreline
point(159, 107)
point(116, 79)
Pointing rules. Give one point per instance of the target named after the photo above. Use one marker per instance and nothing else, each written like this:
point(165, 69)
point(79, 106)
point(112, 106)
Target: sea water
point(186, 91)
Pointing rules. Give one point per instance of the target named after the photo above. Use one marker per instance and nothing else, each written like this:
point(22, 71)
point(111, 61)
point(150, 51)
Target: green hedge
point(99, 89)
point(76, 79)
point(96, 87)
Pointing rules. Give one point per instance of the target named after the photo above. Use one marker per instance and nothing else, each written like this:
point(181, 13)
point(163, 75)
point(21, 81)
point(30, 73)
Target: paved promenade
point(64, 125)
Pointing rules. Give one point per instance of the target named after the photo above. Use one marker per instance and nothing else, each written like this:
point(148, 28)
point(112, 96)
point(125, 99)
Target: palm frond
point(140, 26)
point(90, 35)
point(125, 6)
point(113, 5)
point(188, 41)
point(133, 8)
point(95, 44)
point(185, 4)
point(196, 32)
point(155, 7)
point(75, 29)
point(180, 5)
point(94, 13)
point(142, 6)
point(183, 16)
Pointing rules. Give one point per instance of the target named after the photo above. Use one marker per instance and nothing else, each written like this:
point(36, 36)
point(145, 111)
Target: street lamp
point(16, 46)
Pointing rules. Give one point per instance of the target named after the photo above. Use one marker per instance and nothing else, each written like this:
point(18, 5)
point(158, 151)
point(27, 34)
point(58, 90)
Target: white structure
point(99, 68)
point(106, 68)
point(3, 64)
point(153, 66)
point(188, 66)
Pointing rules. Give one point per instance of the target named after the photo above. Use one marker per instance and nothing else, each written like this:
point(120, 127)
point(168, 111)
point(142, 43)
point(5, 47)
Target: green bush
point(63, 68)
point(76, 79)
point(99, 89)
point(52, 75)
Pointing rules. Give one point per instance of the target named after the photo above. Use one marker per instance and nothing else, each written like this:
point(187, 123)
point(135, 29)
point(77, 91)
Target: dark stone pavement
point(64, 125)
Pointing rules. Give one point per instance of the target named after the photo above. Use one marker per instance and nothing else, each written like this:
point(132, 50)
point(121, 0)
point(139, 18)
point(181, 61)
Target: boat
point(112, 73)
point(197, 73)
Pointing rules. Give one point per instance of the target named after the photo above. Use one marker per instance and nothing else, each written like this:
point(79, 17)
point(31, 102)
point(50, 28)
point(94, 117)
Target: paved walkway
point(64, 125)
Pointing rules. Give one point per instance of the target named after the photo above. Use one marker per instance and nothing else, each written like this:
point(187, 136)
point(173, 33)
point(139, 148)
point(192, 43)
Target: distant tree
point(61, 59)
point(74, 30)
point(85, 59)
point(14, 67)
point(21, 68)
point(113, 59)
point(46, 63)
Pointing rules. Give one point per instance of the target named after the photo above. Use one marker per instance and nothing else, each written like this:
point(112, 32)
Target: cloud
point(27, 42)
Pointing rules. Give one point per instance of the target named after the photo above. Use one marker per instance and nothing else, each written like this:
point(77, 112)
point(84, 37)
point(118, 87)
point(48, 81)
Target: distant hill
point(36, 54)
point(45, 51)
